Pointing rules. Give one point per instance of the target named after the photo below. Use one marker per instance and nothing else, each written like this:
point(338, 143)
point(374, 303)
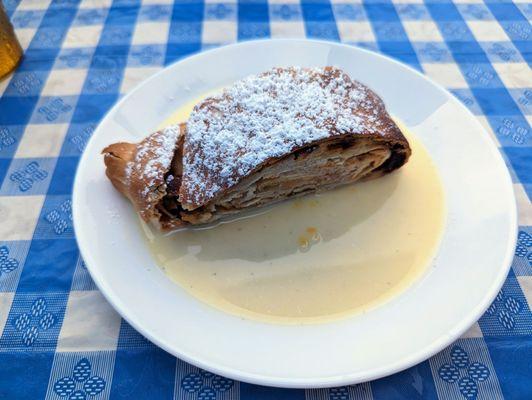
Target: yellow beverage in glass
point(10, 50)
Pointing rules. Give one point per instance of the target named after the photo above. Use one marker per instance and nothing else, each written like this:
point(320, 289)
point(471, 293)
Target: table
point(61, 340)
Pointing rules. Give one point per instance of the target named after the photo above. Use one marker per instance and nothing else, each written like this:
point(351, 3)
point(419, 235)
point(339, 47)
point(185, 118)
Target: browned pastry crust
point(126, 168)
point(216, 165)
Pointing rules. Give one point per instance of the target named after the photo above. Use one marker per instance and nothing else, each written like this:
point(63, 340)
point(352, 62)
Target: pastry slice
point(269, 137)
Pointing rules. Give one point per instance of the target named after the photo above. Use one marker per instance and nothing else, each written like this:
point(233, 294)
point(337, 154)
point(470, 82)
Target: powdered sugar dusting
point(265, 116)
point(154, 157)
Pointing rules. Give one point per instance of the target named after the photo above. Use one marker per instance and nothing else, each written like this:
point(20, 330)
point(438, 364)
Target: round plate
point(469, 269)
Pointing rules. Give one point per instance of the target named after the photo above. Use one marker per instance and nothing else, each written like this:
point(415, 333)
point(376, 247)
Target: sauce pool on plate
point(317, 258)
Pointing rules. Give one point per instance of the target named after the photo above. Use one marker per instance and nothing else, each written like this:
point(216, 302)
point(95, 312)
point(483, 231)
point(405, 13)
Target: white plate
point(470, 267)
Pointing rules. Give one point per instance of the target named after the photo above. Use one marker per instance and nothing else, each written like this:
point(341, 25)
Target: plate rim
point(399, 365)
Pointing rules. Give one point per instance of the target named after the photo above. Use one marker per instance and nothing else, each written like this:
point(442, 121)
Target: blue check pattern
point(59, 339)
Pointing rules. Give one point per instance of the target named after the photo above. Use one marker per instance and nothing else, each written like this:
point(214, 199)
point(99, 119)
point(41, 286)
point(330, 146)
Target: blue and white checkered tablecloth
point(61, 340)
